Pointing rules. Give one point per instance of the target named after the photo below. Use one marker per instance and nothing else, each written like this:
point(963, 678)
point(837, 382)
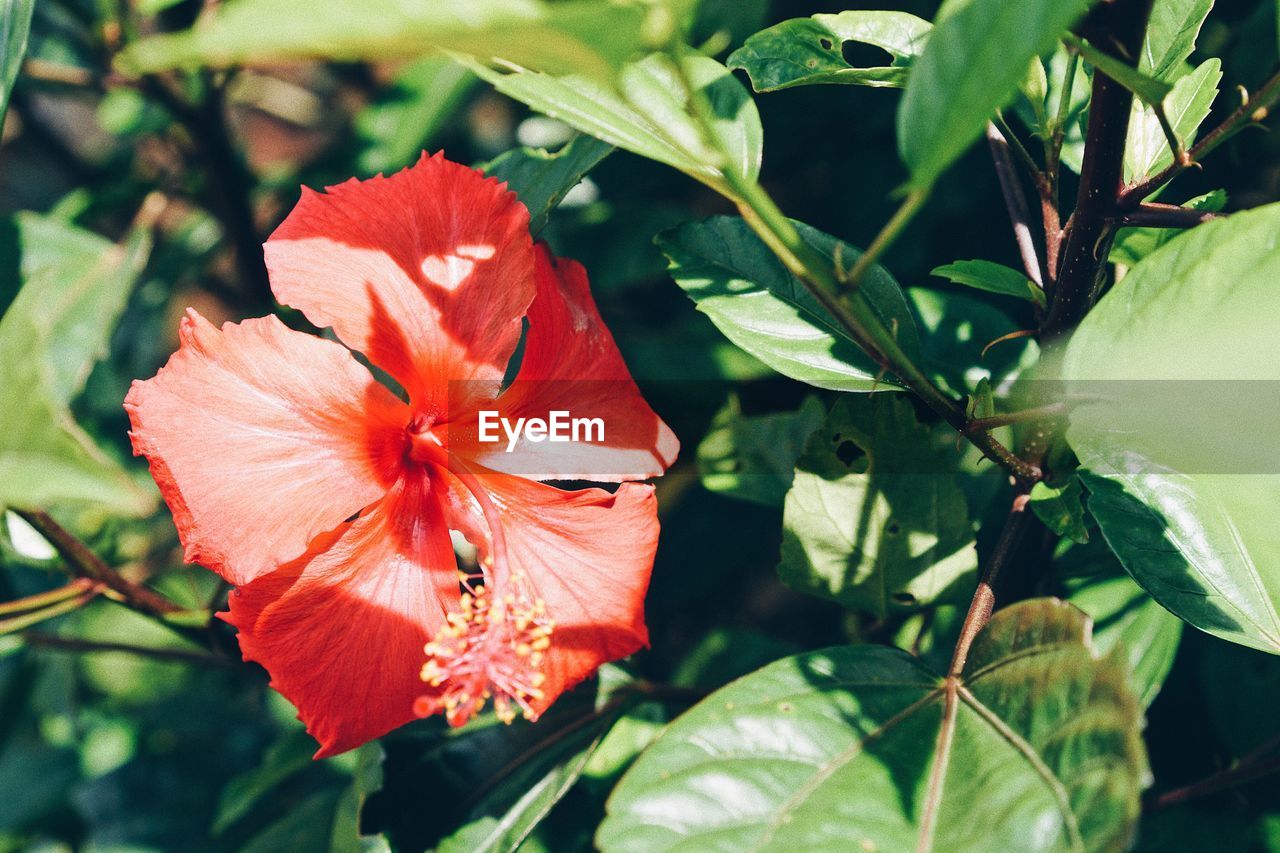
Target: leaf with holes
point(753, 457)
point(759, 305)
point(1036, 746)
point(1179, 451)
point(875, 518)
point(805, 51)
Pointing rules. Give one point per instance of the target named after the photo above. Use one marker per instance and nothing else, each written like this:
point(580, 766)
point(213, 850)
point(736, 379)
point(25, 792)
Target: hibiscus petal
point(260, 438)
point(588, 554)
point(426, 272)
point(572, 365)
point(341, 629)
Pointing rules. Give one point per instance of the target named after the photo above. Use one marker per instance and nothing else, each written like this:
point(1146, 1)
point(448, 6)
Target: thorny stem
point(1016, 203)
point(1119, 26)
point(1050, 410)
point(1254, 109)
point(82, 562)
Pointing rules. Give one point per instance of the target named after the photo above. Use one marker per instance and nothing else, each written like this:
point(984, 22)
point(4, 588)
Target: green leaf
point(976, 56)
point(76, 287)
point(400, 123)
point(1146, 149)
point(542, 180)
point(1241, 688)
point(509, 813)
point(15, 28)
point(580, 36)
point(647, 114)
point(1148, 89)
point(754, 457)
point(1171, 36)
point(1036, 747)
point(285, 758)
point(1133, 244)
point(875, 518)
point(740, 284)
point(366, 779)
point(1130, 622)
point(956, 327)
point(1179, 454)
point(805, 51)
point(993, 278)
point(1061, 508)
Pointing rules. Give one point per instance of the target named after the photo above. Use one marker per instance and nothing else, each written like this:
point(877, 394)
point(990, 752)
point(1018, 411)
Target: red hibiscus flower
point(328, 501)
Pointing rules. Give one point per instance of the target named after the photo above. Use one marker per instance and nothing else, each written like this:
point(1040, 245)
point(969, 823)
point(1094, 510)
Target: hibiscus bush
point(449, 425)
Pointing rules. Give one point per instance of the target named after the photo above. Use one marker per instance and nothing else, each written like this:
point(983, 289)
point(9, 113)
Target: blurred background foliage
point(104, 749)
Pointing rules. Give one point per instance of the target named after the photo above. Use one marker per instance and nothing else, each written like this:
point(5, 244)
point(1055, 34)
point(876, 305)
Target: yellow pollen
point(492, 648)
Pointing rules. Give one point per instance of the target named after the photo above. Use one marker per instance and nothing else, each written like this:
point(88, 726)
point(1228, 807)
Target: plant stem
point(1016, 203)
point(84, 563)
point(1152, 215)
point(75, 644)
point(1050, 410)
point(1254, 109)
point(34, 617)
point(984, 597)
point(1120, 25)
point(40, 600)
point(1244, 771)
point(858, 318)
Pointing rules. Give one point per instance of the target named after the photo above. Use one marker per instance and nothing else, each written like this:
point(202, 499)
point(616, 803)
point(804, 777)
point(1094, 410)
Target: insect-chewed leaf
point(1036, 747)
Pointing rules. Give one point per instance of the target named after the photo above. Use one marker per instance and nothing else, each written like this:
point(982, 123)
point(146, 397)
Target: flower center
point(492, 648)
point(424, 445)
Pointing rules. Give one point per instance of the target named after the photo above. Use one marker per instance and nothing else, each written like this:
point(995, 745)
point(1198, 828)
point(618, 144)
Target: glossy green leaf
point(875, 518)
point(1133, 244)
point(863, 748)
point(740, 284)
point(1129, 622)
point(1187, 105)
point(993, 278)
point(580, 36)
point(543, 179)
point(403, 121)
point(1171, 36)
point(15, 27)
point(975, 58)
point(76, 286)
point(1061, 508)
point(648, 113)
point(805, 51)
point(1180, 453)
point(754, 457)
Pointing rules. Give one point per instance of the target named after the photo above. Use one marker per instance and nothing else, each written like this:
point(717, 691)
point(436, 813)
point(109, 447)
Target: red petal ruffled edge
point(427, 272)
point(261, 438)
point(341, 630)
